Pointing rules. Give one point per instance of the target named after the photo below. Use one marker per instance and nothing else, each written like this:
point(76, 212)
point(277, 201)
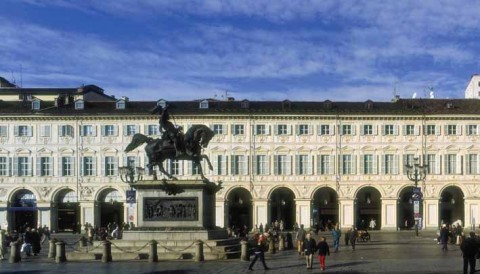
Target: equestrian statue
point(174, 144)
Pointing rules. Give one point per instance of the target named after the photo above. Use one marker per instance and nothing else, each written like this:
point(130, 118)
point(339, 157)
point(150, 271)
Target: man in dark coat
point(309, 248)
point(259, 246)
point(444, 237)
point(469, 249)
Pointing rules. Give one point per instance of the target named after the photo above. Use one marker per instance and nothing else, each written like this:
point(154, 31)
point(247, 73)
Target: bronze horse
point(158, 150)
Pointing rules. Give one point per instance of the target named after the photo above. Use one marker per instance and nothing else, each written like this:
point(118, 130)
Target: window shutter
point(275, 164)
point(459, 168)
point(478, 163)
point(82, 166)
point(137, 129)
point(383, 130)
point(459, 130)
point(468, 169)
point(125, 127)
point(332, 129)
point(15, 166)
point(416, 130)
point(340, 129)
point(29, 166)
point(94, 130)
point(311, 164)
point(82, 132)
point(9, 166)
point(384, 158)
point(267, 129)
point(353, 129)
point(15, 130)
point(50, 166)
point(362, 130)
point(289, 165)
point(374, 129)
point(59, 166)
point(375, 164)
point(289, 129)
point(103, 164)
point(362, 165)
point(395, 164)
point(354, 164)
point(340, 164)
point(438, 164)
point(297, 129)
point(60, 131)
point(437, 130)
point(395, 130)
point(94, 171)
point(404, 129)
point(104, 129)
point(39, 166)
point(267, 164)
point(29, 131)
point(276, 130)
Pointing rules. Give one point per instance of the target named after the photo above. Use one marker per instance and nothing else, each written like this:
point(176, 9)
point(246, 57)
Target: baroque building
point(300, 162)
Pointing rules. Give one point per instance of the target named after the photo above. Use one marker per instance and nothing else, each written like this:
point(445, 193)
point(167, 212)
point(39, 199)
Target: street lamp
point(416, 173)
point(127, 174)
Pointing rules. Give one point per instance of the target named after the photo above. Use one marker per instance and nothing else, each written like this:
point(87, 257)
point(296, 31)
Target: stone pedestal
point(175, 210)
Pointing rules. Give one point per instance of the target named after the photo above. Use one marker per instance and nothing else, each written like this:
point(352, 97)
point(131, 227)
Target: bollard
point(107, 252)
point(15, 252)
point(52, 248)
point(82, 242)
point(281, 243)
point(244, 256)
point(199, 254)
point(153, 256)
point(60, 256)
point(3, 247)
point(271, 246)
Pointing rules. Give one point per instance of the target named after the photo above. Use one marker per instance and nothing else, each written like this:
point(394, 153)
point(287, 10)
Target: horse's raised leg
point(162, 170)
point(204, 156)
point(200, 169)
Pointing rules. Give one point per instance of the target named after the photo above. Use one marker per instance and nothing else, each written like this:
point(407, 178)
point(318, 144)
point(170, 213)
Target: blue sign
point(417, 194)
point(131, 196)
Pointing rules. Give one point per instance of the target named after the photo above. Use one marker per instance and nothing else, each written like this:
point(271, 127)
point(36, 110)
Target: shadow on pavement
point(347, 264)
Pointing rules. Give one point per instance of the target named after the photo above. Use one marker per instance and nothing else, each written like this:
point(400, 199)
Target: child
point(323, 250)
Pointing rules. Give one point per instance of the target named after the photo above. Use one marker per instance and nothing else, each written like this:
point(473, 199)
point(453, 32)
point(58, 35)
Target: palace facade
point(300, 162)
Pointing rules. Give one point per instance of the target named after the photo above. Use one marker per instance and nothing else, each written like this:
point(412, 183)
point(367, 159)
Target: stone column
point(302, 212)
point(60, 256)
point(430, 213)
point(389, 215)
point(199, 251)
point(244, 250)
point(346, 212)
point(260, 212)
point(152, 255)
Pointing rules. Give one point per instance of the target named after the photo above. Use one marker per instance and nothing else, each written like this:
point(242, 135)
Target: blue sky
point(251, 49)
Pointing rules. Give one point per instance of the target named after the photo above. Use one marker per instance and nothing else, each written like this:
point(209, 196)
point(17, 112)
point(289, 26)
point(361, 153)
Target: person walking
point(300, 237)
point(469, 249)
point(323, 251)
point(309, 248)
point(444, 237)
point(336, 234)
point(259, 247)
point(352, 235)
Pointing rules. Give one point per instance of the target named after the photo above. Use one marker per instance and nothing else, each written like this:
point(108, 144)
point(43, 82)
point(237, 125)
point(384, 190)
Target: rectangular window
point(390, 164)
point(3, 131)
point(238, 129)
point(262, 165)
point(88, 166)
point(283, 130)
point(220, 165)
point(303, 165)
point(472, 165)
point(261, 130)
point(410, 130)
point(4, 166)
point(87, 130)
point(347, 164)
point(388, 130)
point(219, 129)
point(472, 130)
point(65, 131)
point(44, 166)
point(153, 130)
point(131, 130)
point(451, 164)
point(110, 166)
point(303, 130)
point(109, 130)
point(23, 131)
point(347, 130)
point(67, 166)
point(238, 165)
point(325, 164)
point(24, 166)
point(45, 131)
point(433, 164)
point(430, 130)
point(408, 159)
point(282, 165)
point(369, 164)
point(174, 167)
point(451, 129)
point(324, 130)
point(367, 129)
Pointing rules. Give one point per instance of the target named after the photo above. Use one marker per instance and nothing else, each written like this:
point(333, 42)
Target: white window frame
point(66, 131)
point(3, 131)
point(219, 129)
point(239, 165)
point(5, 167)
point(303, 164)
point(282, 164)
point(262, 165)
point(238, 129)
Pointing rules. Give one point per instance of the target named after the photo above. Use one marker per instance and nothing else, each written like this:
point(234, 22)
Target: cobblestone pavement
point(387, 252)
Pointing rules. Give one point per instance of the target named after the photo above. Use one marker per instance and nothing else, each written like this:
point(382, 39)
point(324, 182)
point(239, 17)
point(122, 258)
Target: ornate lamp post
point(416, 173)
point(127, 174)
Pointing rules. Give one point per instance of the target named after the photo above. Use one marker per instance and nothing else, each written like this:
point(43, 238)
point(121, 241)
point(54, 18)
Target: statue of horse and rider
point(174, 144)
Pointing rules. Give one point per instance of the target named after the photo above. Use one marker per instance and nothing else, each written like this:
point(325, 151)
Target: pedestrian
point(36, 244)
point(46, 234)
point(373, 224)
point(27, 242)
point(444, 232)
point(3, 244)
point(336, 234)
point(469, 249)
point(309, 248)
point(259, 245)
point(323, 251)
point(347, 240)
point(352, 235)
point(300, 237)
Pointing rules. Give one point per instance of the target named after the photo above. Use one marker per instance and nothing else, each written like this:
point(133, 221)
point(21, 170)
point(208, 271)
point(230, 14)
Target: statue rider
point(173, 133)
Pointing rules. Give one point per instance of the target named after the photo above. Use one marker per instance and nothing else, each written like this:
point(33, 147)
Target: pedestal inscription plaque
point(170, 209)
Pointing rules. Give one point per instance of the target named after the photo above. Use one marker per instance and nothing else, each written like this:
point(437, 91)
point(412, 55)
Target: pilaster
point(302, 212)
